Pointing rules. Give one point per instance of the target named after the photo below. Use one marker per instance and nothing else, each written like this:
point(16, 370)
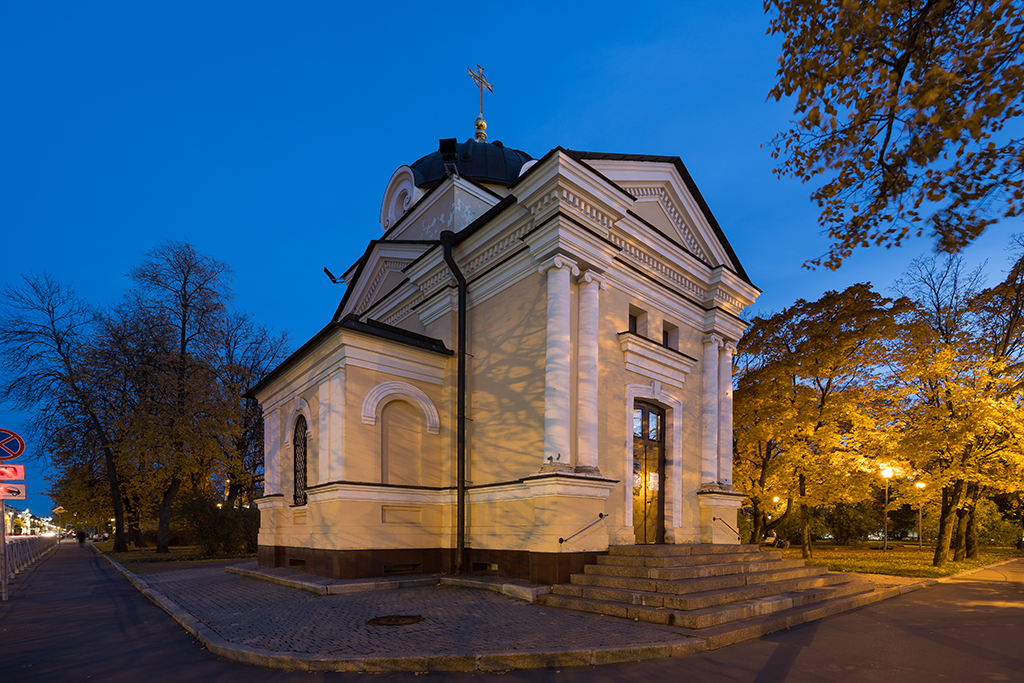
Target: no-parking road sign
point(12, 473)
point(11, 445)
point(13, 491)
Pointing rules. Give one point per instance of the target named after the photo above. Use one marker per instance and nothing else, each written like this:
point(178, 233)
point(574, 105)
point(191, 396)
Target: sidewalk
point(319, 624)
point(288, 619)
point(73, 617)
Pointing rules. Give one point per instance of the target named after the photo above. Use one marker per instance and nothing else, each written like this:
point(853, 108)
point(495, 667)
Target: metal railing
point(600, 516)
point(720, 519)
point(21, 552)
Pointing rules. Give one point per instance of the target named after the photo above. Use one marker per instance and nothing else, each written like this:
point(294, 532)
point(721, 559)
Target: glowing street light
point(887, 475)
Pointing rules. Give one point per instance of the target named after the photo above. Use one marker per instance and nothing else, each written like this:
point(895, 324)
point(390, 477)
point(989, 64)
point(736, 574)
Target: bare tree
point(184, 295)
point(46, 350)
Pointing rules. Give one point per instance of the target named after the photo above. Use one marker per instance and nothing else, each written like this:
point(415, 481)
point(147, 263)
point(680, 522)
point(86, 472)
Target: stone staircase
point(722, 593)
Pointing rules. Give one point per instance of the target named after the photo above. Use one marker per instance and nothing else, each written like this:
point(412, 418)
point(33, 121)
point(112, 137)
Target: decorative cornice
point(646, 258)
point(728, 299)
point(495, 249)
point(564, 197)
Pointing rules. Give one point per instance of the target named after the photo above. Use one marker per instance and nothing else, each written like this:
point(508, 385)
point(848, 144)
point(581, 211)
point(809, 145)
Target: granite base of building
point(539, 568)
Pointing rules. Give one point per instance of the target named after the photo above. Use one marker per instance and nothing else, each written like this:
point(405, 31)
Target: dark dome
point(483, 162)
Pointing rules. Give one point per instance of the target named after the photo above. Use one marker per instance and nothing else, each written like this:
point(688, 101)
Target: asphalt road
point(72, 617)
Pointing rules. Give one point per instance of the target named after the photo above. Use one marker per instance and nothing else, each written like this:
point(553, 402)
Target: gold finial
point(481, 82)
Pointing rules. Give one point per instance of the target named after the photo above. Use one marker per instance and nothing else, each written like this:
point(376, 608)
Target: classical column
point(725, 414)
point(271, 451)
point(331, 418)
point(709, 422)
point(587, 372)
point(557, 359)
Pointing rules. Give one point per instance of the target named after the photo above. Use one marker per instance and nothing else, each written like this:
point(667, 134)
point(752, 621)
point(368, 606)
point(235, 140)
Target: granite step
point(685, 560)
point(683, 549)
point(735, 632)
point(708, 617)
point(694, 585)
point(696, 572)
point(746, 609)
point(694, 601)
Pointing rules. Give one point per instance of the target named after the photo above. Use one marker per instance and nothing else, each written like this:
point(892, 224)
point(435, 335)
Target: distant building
point(602, 305)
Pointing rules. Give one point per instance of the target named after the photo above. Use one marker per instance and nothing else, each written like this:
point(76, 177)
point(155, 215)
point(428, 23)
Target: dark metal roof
point(483, 162)
point(352, 322)
point(385, 331)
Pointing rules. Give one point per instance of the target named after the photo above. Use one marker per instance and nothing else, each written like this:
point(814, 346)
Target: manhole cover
point(395, 620)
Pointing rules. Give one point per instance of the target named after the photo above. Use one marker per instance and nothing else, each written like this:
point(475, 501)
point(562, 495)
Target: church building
point(532, 363)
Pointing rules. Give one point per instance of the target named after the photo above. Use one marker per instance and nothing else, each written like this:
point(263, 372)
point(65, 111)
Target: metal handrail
point(722, 520)
point(600, 516)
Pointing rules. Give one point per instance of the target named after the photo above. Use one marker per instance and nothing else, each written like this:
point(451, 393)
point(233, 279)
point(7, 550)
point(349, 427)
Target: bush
point(850, 523)
point(790, 529)
point(215, 529)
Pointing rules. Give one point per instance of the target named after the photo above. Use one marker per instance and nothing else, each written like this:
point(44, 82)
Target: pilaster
point(271, 454)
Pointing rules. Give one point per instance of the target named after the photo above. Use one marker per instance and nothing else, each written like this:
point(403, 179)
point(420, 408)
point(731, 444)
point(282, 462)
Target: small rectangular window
point(670, 335)
point(638, 321)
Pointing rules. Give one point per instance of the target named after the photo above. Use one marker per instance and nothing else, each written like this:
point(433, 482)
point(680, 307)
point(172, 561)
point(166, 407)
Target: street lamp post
point(887, 475)
point(920, 507)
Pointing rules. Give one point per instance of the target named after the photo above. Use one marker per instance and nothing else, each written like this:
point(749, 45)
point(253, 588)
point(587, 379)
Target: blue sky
point(265, 133)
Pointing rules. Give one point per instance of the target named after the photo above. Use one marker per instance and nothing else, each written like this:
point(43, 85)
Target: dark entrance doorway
point(648, 473)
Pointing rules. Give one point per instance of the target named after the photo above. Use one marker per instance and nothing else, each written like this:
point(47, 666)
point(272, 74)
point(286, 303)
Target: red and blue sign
point(11, 445)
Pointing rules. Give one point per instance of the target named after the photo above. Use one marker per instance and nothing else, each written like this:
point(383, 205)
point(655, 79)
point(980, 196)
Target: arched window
point(299, 451)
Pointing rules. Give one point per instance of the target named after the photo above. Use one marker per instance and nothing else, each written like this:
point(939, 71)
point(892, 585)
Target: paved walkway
point(460, 628)
point(72, 617)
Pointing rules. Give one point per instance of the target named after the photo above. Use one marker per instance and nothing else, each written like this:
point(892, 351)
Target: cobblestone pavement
point(456, 620)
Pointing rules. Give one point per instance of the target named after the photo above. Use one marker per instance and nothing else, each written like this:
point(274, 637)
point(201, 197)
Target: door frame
point(650, 408)
point(656, 393)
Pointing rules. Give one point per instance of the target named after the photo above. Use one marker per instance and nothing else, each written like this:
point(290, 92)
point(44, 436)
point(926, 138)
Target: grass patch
point(897, 561)
point(188, 553)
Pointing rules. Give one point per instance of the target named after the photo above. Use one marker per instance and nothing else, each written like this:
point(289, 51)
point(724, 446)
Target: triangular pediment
point(668, 199)
point(656, 206)
point(378, 273)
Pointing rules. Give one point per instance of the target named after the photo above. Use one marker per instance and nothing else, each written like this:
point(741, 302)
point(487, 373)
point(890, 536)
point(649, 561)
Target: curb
point(490, 661)
point(494, 660)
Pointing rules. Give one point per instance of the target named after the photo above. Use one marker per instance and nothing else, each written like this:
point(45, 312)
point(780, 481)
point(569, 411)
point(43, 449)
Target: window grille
point(299, 451)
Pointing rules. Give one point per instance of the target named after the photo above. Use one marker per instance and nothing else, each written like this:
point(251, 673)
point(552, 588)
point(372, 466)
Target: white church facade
point(532, 348)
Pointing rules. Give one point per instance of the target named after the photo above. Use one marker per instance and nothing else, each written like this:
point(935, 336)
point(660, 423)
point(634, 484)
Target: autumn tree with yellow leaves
point(959, 388)
point(806, 407)
point(904, 116)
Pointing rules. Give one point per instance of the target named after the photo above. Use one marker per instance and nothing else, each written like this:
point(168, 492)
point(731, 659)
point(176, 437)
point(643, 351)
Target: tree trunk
point(805, 522)
point(960, 545)
point(163, 532)
point(971, 539)
point(951, 497)
point(133, 519)
point(972, 536)
point(756, 522)
point(120, 541)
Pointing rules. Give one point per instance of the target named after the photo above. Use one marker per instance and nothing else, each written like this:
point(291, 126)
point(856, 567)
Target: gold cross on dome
point(481, 82)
